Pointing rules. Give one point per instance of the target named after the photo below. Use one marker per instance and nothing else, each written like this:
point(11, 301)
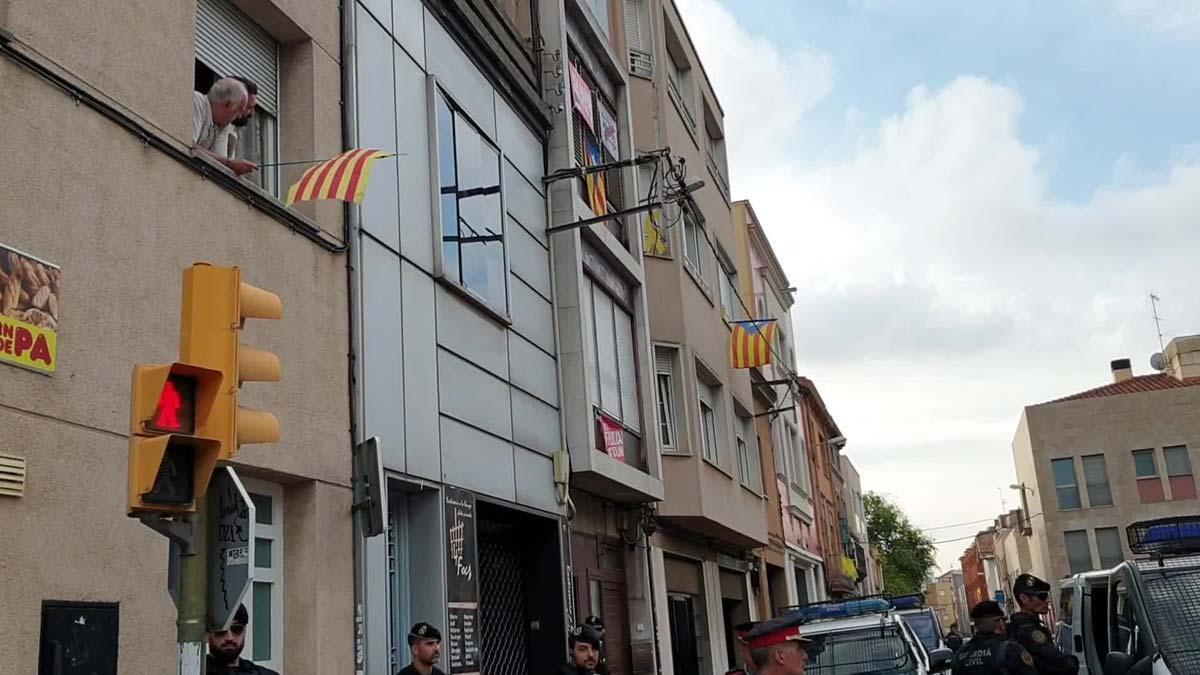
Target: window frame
point(693, 259)
point(666, 408)
point(273, 575)
point(1115, 534)
point(1145, 452)
point(710, 446)
point(592, 285)
point(1057, 461)
point(1186, 457)
point(441, 273)
point(1087, 540)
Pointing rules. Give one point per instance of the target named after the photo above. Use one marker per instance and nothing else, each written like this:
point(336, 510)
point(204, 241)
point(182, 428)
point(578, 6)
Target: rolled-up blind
point(230, 43)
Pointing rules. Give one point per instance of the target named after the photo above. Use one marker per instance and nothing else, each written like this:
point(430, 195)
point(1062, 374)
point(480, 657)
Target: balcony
point(706, 500)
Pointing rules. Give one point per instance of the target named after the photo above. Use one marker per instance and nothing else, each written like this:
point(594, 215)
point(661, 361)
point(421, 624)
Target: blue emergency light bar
point(915, 601)
point(1174, 536)
point(842, 609)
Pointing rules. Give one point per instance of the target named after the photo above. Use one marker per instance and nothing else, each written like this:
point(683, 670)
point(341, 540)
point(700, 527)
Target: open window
point(231, 44)
point(596, 141)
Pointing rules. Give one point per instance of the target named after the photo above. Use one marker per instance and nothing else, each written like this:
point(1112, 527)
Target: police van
point(872, 635)
point(1141, 617)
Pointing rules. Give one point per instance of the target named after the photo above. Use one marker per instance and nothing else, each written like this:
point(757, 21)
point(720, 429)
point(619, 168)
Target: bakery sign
point(30, 300)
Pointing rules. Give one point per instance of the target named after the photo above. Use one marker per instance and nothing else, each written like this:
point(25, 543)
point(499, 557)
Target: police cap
point(423, 631)
point(987, 609)
point(585, 634)
point(776, 631)
point(595, 622)
point(1027, 583)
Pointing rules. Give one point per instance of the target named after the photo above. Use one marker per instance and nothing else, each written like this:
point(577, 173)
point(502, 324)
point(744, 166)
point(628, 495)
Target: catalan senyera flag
point(597, 190)
point(750, 343)
point(344, 177)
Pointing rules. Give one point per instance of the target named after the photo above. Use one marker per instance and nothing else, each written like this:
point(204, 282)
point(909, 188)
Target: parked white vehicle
point(1141, 617)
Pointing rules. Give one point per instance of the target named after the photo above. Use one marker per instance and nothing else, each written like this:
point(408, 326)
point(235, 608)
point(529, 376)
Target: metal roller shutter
point(231, 44)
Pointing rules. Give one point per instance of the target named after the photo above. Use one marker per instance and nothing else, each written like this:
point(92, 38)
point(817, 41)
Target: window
point(1064, 483)
point(679, 77)
point(229, 43)
point(1095, 475)
point(749, 473)
point(795, 445)
point(743, 458)
point(264, 640)
point(715, 151)
point(729, 296)
point(604, 191)
point(1079, 551)
point(1179, 472)
point(693, 240)
point(472, 213)
point(664, 374)
point(640, 38)
point(1108, 545)
point(611, 327)
point(709, 440)
point(1150, 487)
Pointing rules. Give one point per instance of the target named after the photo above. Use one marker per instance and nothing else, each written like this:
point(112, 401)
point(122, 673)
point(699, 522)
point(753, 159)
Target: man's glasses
point(235, 629)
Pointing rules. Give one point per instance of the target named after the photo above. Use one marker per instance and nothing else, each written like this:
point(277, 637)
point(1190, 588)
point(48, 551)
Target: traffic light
point(184, 417)
point(216, 305)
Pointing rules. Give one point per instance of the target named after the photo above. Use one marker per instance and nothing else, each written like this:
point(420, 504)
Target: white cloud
point(942, 287)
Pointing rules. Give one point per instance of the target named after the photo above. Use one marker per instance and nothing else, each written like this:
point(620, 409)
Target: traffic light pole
point(192, 625)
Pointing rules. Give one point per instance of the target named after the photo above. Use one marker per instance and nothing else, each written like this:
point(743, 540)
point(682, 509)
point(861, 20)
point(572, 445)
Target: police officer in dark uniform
point(425, 646)
point(743, 649)
point(1033, 595)
point(597, 624)
point(989, 651)
point(953, 640)
point(585, 652)
point(225, 649)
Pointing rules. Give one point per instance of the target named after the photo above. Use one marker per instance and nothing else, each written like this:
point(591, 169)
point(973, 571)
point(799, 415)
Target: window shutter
point(610, 385)
point(630, 414)
point(230, 43)
point(633, 24)
point(589, 338)
point(662, 360)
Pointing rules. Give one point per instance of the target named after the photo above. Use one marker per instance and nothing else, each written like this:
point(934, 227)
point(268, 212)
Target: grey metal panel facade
point(383, 403)
point(477, 461)
point(528, 258)
point(416, 236)
point(522, 147)
point(532, 314)
point(535, 424)
point(533, 369)
point(408, 27)
point(535, 480)
point(377, 126)
point(470, 333)
point(458, 76)
point(472, 395)
point(524, 202)
point(420, 376)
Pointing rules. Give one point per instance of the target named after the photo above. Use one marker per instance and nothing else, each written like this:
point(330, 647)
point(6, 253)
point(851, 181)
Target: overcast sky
point(974, 204)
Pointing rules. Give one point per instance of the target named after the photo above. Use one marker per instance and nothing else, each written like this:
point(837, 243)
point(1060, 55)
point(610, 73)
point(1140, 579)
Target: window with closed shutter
point(230, 43)
point(639, 38)
point(627, 369)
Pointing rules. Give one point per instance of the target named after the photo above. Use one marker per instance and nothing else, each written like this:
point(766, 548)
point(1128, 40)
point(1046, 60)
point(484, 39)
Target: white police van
point(871, 636)
point(1141, 617)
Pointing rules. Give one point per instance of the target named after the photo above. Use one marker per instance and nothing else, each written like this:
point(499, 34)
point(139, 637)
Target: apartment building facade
point(940, 597)
point(856, 545)
point(713, 515)
point(825, 442)
point(110, 202)
point(1092, 463)
point(792, 571)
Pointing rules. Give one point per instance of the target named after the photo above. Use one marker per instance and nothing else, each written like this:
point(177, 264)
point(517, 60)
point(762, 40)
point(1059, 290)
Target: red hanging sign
point(614, 438)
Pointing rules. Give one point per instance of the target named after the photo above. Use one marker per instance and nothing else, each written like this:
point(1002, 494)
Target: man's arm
point(1050, 659)
point(1018, 660)
point(238, 166)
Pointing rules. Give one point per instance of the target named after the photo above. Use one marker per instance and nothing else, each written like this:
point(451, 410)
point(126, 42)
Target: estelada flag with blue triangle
point(750, 343)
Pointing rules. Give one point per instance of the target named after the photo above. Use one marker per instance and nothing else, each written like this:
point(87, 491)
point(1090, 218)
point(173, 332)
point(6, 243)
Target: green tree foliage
point(907, 554)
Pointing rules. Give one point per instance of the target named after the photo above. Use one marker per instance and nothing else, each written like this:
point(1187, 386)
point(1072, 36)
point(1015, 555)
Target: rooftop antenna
point(1154, 300)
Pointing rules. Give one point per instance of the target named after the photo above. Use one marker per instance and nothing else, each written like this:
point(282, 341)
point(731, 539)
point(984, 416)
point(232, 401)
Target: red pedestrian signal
point(176, 408)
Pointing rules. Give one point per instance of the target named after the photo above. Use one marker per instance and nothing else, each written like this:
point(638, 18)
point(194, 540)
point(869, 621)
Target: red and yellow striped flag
point(344, 177)
point(750, 343)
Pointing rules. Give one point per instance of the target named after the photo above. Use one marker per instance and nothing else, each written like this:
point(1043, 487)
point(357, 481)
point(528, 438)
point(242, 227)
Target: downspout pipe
point(350, 217)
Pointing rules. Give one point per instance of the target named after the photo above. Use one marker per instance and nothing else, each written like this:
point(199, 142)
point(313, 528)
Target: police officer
point(747, 667)
point(225, 649)
point(953, 639)
point(1026, 627)
point(585, 652)
point(777, 647)
point(989, 651)
point(425, 646)
point(597, 624)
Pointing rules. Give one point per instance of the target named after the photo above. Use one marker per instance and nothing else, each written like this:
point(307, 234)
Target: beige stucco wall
point(122, 220)
point(1114, 426)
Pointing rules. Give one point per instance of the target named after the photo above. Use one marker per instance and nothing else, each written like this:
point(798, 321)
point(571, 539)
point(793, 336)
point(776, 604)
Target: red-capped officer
point(778, 648)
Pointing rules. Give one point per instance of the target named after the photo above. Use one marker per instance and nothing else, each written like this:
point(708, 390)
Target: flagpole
point(318, 161)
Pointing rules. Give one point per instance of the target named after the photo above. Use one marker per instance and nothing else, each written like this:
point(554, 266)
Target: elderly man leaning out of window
point(226, 101)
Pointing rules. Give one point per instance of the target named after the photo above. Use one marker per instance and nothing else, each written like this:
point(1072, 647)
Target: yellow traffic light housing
point(169, 463)
point(216, 305)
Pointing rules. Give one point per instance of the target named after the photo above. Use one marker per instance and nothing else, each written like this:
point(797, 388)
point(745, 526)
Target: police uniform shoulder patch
point(1026, 658)
point(1038, 637)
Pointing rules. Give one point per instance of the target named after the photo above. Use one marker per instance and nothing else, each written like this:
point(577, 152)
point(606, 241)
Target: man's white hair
point(228, 90)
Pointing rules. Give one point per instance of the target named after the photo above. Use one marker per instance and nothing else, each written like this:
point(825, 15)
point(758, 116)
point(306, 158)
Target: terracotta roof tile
point(1134, 385)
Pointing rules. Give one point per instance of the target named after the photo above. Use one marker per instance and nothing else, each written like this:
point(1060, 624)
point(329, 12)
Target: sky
point(974, 201)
